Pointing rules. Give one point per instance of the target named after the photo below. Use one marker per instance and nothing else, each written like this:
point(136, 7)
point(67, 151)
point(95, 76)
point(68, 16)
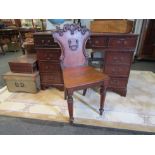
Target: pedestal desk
point(118, 48)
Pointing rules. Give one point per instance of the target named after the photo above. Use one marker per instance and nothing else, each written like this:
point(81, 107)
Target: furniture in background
point(26, 40)
point(77, 74)
point(146, 48)
point(14, 38)
point(9, 37)
point(118, 48)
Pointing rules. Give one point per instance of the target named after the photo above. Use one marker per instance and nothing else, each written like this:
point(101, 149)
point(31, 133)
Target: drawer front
point(118, 82)
point(51, 78)
point(117, 70)
point(119, 57)
point(45, 41)
point(49, 67)
point(122, 42)
point(48, 54)
point(96, 42)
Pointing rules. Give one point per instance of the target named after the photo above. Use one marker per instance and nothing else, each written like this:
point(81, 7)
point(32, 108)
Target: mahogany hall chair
point(77, 74)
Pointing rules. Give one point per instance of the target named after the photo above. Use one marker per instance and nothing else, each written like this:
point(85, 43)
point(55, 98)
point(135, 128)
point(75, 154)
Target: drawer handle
point(122, 39)
point(48, 58)
point(125, 42)
point(115, 82)
point(114, 70)
point(96, 42)
point(42, 41)
point(118, 41)
point(47, 67)
point(116, 59)
point(48, 41)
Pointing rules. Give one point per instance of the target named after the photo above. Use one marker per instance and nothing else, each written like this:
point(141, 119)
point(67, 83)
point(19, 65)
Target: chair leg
point(102, 99)
point(70, 106)
point(84, 92)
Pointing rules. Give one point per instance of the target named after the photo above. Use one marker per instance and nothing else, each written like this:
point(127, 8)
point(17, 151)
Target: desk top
point(92, 34)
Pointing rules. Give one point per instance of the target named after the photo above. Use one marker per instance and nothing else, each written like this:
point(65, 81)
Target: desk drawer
point(50, 67)
point(45, 41)
point(97, 42)
point(122, 42)
point(119, 57)
point(118, 82)
point(51, 78)
point(117, 70)
point(48, 54)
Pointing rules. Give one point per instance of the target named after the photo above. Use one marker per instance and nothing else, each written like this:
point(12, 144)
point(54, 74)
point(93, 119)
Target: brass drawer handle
point(96, 42)
point(115, 82)
point(48, 58)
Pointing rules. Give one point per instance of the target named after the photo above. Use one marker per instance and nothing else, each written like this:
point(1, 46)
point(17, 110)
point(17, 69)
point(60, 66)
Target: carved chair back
point(72, 40)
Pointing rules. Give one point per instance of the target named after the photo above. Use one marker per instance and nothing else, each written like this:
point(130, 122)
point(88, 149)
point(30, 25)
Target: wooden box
point(111, 26)
point(17, 82)
point(24, 64)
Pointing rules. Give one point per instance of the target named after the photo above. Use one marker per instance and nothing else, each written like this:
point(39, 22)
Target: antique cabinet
point(118, 48)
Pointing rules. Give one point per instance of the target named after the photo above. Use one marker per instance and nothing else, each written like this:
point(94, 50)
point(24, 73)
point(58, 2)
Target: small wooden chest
point(24, 64)
point(17, 82)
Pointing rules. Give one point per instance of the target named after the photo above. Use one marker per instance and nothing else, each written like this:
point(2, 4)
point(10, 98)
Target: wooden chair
point(76, 72)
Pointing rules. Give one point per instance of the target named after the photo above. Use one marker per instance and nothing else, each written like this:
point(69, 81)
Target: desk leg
point(84, 92)
point(70, 106)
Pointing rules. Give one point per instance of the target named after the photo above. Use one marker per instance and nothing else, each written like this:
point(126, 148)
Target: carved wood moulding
point(72, 28)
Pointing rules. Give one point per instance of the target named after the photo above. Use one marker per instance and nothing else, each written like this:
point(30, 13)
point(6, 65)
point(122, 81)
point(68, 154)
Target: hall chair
point(77, 74)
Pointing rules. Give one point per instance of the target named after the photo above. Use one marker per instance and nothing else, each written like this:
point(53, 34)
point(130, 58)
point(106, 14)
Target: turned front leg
point(70, 106)
point(102, 98)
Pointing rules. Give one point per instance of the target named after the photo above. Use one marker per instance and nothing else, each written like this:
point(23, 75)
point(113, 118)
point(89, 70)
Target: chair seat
point(81, 76)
